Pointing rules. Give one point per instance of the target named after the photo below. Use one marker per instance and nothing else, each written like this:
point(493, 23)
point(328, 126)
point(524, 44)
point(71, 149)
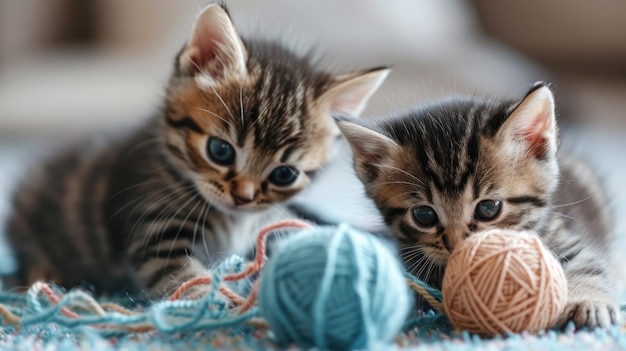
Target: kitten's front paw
point(591, 314)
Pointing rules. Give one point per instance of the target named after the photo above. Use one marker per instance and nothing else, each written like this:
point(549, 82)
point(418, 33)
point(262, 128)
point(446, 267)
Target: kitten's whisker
point(222, 101)
point(423, 266)
point(131, 187)
point(158, 202)
point(284, 213)
point(151, 141)
point(572, 203)
point(148, 231)
point(198, 68)
point(398, 183)
point(148, 181)
point(414, 261)
point(177, 196)
point(394, 197)
point(408, 255)
point(409, 248)
point(172, 217)
point(487, 174)
point(419, 263)
point(241, 104)
point(195, 227)
point(203, 232)
point(562, 215)
point(136, 201)
point(425, 271)
point(402, 171)
point(415, 253)
point(181, 228)
point(167, 195)
point(215, 115)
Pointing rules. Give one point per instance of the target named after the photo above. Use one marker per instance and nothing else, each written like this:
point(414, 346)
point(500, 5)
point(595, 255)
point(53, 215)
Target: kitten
point(441, 173)
point(244, 125)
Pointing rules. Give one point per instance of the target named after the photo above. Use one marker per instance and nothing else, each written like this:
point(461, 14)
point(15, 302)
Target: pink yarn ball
point(502, 281)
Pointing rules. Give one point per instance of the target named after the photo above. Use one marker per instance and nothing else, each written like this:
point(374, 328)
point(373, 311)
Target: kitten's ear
point(370, 148)
point(533, 122)
point(214, 47)
point(351, 92)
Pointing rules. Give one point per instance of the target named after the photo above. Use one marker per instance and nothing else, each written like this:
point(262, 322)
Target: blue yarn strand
point(362, 290)
point(207, 313)
point(327, 279)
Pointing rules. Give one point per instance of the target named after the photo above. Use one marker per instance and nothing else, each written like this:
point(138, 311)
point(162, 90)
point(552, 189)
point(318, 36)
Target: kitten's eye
point(487, 210)
point(221, 152)
point(425, 216)
point(283, 175)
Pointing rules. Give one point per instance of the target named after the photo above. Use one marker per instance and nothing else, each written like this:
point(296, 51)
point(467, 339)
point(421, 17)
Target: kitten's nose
point(451, 240)
point(243, 193)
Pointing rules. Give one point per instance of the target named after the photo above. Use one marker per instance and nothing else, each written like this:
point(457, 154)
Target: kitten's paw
point(591, 314)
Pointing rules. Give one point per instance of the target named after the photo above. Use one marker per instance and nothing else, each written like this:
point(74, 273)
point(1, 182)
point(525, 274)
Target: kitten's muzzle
point(242, 192)
point(450, 241)
point(240, 201)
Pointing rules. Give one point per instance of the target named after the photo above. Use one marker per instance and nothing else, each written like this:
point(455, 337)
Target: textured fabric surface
point(428, 337)
point(430, 332)
point(207, 324)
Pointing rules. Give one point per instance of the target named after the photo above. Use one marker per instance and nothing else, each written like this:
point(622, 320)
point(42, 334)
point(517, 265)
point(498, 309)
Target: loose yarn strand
point(111, 316)
point(426, 292)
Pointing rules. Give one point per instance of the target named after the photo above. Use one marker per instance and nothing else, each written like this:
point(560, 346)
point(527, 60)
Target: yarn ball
point(503, 281)
point(335, 288)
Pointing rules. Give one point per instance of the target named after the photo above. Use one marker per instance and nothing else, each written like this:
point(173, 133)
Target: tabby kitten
point(444, 172)
point(245, 123)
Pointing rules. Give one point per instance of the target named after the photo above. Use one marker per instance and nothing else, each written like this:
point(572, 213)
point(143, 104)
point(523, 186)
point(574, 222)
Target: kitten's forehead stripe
point(280, 90)
point(531, 200)
point(288, 151)
point(184, 123)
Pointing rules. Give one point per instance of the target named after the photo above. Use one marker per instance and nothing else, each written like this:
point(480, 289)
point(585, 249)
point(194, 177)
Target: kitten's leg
point(166, 280)
point(590, 280)
point(589, 301)
point(164, 261)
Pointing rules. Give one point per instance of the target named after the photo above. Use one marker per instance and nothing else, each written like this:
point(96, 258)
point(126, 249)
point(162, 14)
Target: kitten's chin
point(240, 210)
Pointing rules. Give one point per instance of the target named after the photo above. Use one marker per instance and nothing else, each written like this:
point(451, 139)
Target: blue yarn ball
point(335, 288)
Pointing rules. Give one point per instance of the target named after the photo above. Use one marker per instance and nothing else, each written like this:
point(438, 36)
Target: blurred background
point(69, 68)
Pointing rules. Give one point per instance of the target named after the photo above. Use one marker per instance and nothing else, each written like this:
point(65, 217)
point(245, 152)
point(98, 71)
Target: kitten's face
point(440, 174)
point(248, 124)
point(247, 153)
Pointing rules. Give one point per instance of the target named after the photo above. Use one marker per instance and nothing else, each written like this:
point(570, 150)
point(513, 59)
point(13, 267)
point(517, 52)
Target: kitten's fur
point(453, 155)
point(147, 211)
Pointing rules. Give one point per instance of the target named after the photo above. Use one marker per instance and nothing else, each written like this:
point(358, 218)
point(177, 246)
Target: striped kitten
point(245, 124)
point(441, 173)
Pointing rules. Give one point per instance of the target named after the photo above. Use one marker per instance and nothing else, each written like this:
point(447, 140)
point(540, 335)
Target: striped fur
point(149, 210)
point(452, 155)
